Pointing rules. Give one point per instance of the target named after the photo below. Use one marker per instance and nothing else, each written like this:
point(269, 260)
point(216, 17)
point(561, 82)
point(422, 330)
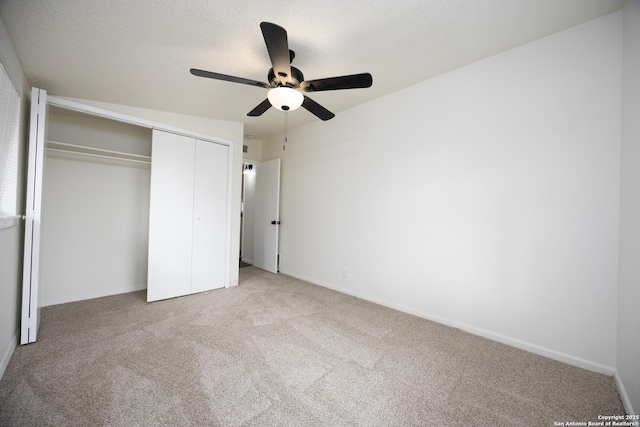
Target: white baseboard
point(623, 395)
point(532, 348)
point(92, 295)
point(247, 260)
point(8, 352)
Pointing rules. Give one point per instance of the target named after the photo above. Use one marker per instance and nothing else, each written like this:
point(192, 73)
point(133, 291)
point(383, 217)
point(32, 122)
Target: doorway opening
point(260, 212)
point(247, 213)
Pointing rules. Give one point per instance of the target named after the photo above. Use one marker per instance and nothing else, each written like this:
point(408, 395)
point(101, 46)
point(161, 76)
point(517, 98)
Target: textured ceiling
point(139, 52)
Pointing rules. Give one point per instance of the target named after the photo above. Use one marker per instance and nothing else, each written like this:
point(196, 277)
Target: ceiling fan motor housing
point(292, 81)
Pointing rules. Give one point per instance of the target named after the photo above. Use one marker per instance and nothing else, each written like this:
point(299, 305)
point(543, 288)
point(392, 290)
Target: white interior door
point(31, 267)
point(209, 216)
point(170, 216)
point(267, 215)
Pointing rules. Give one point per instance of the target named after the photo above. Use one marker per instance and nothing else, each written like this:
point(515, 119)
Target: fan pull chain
point(286, 116)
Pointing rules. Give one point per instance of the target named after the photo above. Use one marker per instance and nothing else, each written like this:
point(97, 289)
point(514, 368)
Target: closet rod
point(97, 152)
point(102, 156)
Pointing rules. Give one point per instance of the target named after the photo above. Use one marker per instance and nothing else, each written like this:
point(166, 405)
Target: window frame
point(9, 149)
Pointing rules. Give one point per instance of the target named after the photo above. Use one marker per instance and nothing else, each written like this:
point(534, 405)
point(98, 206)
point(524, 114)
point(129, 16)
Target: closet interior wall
point(95, 225)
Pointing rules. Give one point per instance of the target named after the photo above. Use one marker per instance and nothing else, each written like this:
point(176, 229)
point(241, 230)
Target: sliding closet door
point(188, 223)
point(31, 265)
point(170, 216)
point(209, 216)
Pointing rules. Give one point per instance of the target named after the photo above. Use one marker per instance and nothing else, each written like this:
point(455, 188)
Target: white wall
point(628, 356)
point(11, 239)
point(97, 132)
point(232, 131)
point(95, 227)
point(485, 198)
point(254, 150)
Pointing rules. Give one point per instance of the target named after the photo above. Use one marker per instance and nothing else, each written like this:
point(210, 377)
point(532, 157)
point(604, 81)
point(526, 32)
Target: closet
point(188, 216)
point(95, 226)
point(112, 222)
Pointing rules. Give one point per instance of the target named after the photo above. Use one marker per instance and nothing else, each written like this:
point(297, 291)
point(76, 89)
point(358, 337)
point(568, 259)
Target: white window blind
point(9, 124)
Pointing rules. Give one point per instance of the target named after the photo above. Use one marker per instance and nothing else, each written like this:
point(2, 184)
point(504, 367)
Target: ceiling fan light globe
point(285, 98)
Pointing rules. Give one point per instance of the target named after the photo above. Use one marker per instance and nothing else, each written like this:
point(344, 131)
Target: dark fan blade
point(354, 81)
point(218, 76)
point(260, 109)
point(317, 109)
point(275, 37)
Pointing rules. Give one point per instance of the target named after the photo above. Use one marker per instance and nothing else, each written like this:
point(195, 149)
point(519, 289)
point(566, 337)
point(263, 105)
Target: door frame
point(243, 223)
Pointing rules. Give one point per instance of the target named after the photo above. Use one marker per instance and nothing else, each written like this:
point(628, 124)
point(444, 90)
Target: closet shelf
point(96, 152)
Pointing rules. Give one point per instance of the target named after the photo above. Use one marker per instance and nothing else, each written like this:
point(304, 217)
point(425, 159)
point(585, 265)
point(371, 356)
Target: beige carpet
point(279, 351)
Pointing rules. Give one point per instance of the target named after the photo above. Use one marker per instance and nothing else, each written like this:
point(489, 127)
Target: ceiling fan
point(286, 82)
